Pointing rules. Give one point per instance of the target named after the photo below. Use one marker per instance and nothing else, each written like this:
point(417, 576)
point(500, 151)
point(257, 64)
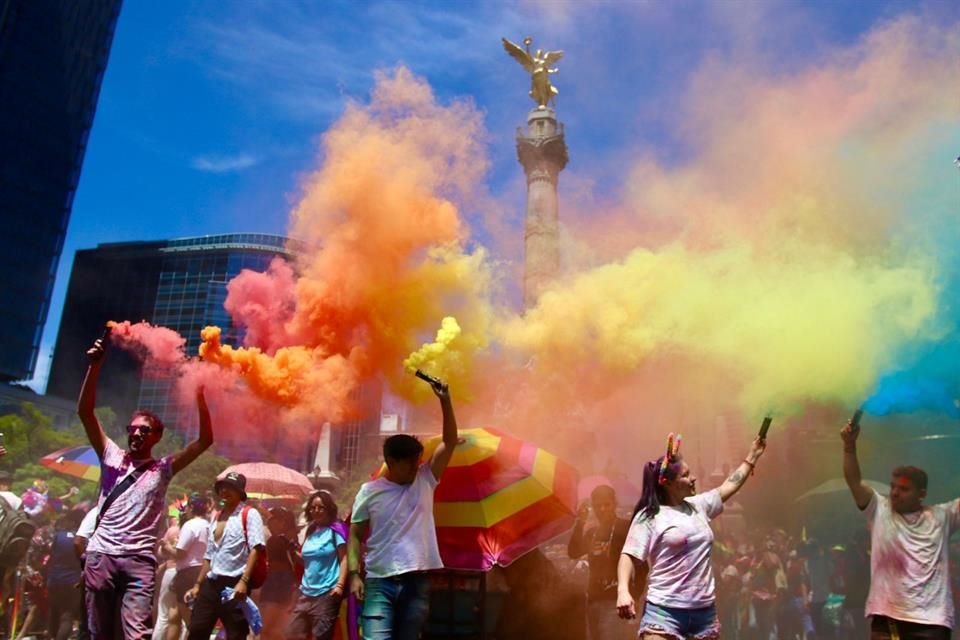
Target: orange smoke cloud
point(382, 252)
point(291, 377)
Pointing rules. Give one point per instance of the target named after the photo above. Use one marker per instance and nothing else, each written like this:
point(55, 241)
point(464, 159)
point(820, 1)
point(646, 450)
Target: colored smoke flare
point(292, 376)
point(431, 355)
point(161, 350)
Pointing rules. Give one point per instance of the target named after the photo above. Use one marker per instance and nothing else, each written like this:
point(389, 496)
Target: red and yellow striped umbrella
point(499, 498)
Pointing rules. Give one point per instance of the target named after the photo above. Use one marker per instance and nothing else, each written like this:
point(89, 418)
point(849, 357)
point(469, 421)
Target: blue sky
point(210, 112)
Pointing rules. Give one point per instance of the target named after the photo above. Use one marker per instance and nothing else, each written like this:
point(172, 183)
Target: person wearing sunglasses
point(120, 568)
point(324, 581)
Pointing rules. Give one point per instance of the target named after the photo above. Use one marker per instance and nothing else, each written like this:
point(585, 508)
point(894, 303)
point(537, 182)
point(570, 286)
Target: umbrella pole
point(452, 600)
point(483, 606)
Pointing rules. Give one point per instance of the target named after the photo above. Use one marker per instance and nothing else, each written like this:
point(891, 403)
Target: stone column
point(542, 151)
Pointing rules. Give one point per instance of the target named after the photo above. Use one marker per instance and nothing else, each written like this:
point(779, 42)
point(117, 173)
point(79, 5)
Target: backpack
point(259, 574)
point(16, 532)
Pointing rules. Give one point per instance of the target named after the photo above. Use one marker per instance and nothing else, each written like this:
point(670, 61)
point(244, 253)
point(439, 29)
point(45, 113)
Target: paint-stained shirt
point(403, 536)
point(676, 544)
point(131, 525)
point(909, 561)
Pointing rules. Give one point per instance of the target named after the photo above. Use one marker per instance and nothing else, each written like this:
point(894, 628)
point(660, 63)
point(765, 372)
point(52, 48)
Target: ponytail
point(653, 494)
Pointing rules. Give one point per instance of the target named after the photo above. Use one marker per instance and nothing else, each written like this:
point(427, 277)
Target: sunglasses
point(145, 429)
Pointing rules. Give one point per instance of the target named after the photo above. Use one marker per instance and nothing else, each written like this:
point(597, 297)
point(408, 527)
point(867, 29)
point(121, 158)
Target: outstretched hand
point(756, 449)
point(850, 433)
point(440, 389)
point(96, 352)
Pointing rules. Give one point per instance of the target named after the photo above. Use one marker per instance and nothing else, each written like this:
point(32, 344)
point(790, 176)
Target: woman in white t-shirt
point(191, 547)
point(668, 548)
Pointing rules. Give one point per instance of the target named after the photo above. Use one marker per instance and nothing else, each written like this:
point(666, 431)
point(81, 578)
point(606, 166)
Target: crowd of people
point(122, 570)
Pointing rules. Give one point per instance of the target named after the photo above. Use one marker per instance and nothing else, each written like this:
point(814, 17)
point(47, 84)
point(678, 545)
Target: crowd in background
point(44, 592)
point(771, 584)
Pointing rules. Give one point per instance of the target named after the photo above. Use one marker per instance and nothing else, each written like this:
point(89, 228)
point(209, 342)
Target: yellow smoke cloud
point(801, 323)
point(430, 357)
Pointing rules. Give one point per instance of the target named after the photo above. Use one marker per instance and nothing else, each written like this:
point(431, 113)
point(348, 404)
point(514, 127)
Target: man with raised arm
point(120, 568)
point(396, 510)
point(909, 596)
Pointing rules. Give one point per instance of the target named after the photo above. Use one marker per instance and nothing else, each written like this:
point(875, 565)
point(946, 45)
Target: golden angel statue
point(538, 66)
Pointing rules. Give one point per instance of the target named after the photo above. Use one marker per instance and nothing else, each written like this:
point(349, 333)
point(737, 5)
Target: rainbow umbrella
point(79, 462)
point(499, 498)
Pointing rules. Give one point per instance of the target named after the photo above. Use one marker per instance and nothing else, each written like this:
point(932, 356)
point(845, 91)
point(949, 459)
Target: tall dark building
point(180, 284)
point(52, 58)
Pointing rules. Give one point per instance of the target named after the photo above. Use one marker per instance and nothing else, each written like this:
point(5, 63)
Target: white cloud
point(223, 164)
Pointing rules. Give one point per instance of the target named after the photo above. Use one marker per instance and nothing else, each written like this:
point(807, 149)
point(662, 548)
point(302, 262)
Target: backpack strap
point(120, 488)
point(243, 519)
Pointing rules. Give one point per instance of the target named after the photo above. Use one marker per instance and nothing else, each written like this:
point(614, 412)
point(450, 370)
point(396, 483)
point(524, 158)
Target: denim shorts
point(700, 624)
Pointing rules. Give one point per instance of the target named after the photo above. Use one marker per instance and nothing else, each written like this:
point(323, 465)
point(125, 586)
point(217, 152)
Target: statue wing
point(518, 54)
point(551, 57)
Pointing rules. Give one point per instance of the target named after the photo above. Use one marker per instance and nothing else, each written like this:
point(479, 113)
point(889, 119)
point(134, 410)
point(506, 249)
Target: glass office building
point(191, 290)
point(52, 59)
point(180, 284)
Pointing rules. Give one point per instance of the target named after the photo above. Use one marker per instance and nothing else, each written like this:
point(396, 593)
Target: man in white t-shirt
point(120, 568)
point(910, 597)
point(396, 510)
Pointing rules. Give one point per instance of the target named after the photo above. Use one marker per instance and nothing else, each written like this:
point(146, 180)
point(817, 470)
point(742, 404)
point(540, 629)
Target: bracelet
point(245, 579)
point(752, 465)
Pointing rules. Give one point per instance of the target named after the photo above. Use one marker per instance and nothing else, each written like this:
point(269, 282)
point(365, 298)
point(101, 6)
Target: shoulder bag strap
point(243, 519)
point(120, 488)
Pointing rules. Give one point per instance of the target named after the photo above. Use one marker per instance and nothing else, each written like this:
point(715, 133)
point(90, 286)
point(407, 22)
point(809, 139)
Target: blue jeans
point(395, 608)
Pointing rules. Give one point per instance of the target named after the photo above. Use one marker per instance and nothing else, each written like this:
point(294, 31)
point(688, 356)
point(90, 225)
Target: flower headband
point(673, 450)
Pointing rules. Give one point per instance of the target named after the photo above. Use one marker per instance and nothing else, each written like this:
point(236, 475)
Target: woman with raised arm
point(669, 544)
